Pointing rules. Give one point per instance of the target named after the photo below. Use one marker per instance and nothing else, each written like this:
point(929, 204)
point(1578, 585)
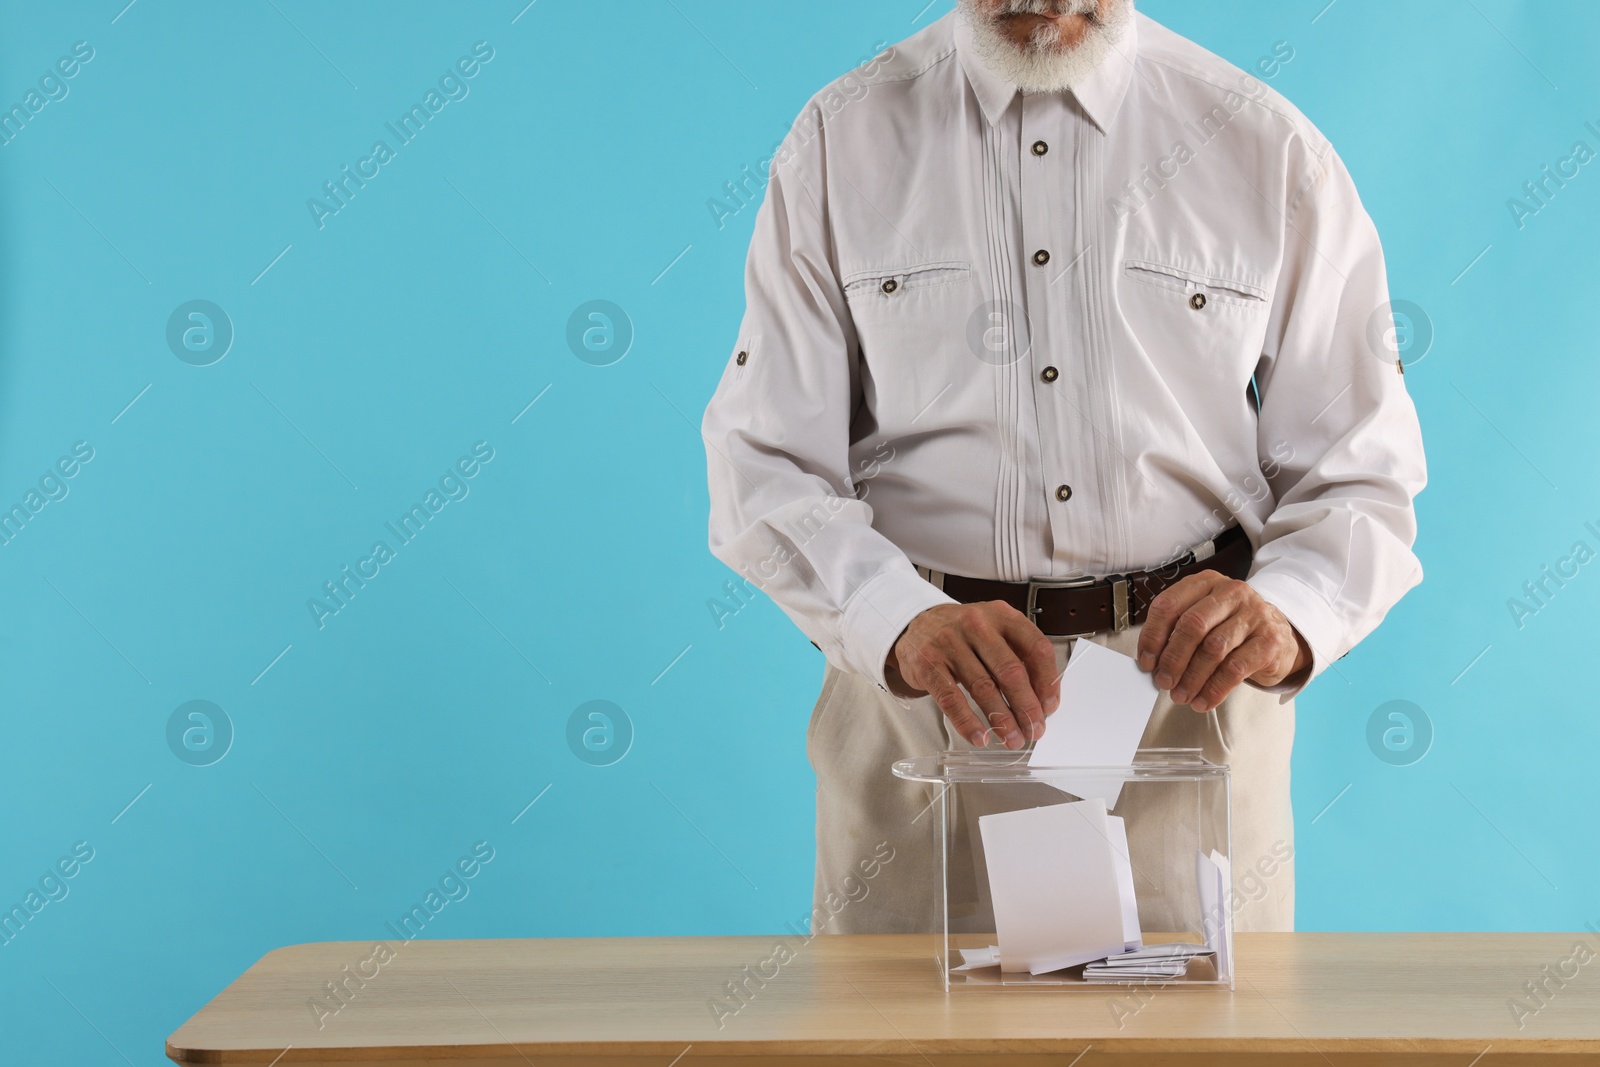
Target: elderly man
point(1059, 327)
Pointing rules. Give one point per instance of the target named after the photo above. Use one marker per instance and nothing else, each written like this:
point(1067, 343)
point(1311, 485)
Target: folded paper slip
point(1127, 974)
point(1180, 950)
point(974, 958)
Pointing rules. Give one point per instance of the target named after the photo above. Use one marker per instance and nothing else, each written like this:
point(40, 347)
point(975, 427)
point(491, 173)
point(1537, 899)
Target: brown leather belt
point(1074, 607)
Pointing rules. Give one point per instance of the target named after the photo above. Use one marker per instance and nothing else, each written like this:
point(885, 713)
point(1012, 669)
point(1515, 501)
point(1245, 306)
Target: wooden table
point(1327, 999)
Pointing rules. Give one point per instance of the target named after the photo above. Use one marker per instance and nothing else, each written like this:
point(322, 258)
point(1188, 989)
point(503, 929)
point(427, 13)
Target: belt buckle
point(1119, 601)
point(1036, 584)
point(1120, 613)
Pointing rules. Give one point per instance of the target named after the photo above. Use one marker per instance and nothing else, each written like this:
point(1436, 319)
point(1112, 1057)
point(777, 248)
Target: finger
point(991, 640)
point(986, 693)
point(1015, 684)
point(1187, 633)
point(1213, 649)
point(953, 703)
point(1165, 611)
point(1038, 655)
point(1242, 663)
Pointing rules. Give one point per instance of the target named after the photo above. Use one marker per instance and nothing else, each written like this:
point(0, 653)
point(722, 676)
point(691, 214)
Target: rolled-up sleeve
point(1338, 434)
point(784, 507)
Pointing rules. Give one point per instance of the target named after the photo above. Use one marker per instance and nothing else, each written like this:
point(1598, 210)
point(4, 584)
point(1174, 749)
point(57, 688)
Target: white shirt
point(881, 408)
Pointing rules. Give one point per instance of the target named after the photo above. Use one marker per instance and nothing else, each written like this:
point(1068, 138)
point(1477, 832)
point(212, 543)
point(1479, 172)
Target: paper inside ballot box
point(1054, 882)
point(1159, 826)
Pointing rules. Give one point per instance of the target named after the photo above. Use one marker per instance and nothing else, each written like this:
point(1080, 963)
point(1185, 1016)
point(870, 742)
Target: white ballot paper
point(1167, 961)
point(974, 958)
point(1053, 880)
point(1117, 831)
point(1106, 701)
point(1216, 886)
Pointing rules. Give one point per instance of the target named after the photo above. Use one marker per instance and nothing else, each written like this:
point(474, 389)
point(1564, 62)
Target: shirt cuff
point(1311, 616)
point(879, 612)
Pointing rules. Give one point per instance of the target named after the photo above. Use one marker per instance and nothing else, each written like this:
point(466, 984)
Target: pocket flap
point(890, 281)
point(1184, 280)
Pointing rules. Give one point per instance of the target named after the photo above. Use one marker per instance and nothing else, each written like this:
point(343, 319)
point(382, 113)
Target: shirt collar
point(1100, 94)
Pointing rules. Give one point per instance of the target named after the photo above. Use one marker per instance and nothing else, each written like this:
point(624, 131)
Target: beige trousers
point(865, 813)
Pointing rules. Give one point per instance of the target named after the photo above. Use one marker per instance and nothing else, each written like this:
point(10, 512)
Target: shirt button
point(1040, 148)
point(890, 285)
point(1197, 301)
point(1041, 257)
point(1063, 492)
point(741, 357)
point(1049, 374)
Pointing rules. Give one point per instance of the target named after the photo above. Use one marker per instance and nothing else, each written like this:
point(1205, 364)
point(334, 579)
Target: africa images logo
point(452, 86)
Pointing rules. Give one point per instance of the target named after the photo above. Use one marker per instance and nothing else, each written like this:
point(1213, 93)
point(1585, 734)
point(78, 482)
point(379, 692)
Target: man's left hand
point(1208, 632)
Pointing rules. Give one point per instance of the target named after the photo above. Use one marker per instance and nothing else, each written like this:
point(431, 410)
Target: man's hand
point(1208, 633)
point(993, 650)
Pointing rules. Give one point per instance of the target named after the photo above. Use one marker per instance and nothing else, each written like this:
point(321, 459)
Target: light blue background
point(428, 313)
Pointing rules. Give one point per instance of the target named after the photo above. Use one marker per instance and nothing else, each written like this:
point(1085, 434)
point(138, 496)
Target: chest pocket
point(1193, 322)
point(869, 290)
point(912, 322)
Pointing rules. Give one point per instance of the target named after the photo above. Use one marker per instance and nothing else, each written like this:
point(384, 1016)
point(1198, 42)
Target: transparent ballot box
point(1068, 877)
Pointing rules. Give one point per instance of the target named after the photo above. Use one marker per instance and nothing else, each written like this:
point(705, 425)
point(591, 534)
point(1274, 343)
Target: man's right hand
point(996, 653)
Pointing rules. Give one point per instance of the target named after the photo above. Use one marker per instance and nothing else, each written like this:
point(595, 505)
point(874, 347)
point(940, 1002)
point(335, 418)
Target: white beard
point(1042, 66)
